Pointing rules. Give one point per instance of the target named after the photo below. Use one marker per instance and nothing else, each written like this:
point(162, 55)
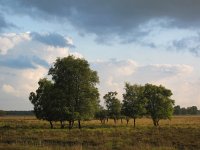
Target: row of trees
point(16, 113)
point(193, 110)
point(138, 101)
point(71, 95)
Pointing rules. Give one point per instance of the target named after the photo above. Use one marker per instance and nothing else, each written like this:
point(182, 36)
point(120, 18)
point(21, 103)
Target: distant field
point(182, 132)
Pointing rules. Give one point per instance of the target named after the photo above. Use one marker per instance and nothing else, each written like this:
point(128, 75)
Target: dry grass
point(29, 133)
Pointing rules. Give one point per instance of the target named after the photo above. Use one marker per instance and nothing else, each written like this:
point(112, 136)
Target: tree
point(2, 113)
point(184, 111)
point(102, 115)
point(159, 103)
point(193, 110)
point(177, 110)
point(134, 101)
point(113, 105)
point(77, 81)
point(43, 104)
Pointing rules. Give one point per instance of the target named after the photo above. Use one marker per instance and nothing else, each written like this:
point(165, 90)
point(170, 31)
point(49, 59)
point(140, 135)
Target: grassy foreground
point(29, 133)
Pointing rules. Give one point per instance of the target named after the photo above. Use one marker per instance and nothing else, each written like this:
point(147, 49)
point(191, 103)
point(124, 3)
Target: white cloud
point(10, 40)
point(177, 77)
point(18, 78)
point(10, 90)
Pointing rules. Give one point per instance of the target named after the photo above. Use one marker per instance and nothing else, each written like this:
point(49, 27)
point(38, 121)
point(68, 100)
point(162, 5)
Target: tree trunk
point(107, 119)
point(51, 124)
point(127, 120)
point(61, 125)
point(70, 124)
point(134, 122)
point(115, 121)
point(79, 124)
point(155, 122)
point(121, 121)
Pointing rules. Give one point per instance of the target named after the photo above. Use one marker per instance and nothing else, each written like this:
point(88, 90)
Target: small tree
point(2, 113)
point(134, 101)
point(159, 103)
point(113, 105)
point(102, 115)
point(43, 104)
point(193, 110)
point(177, 110)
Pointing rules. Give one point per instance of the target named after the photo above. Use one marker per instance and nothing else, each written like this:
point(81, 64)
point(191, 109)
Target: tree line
point(138, 101)
point(193, 110)
point(16, 113)
point(70, 94)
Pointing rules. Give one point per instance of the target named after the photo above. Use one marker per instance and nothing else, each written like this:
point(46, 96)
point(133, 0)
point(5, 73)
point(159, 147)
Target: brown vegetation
point(181, 132)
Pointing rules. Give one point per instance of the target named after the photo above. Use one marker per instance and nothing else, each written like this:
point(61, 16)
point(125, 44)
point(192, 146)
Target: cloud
point(153, 23)
point(23, 62)
point(10, 90)
point(10, 40)
point(26, 50)
point(16, 86)
point(180, 78)
point(52, 39)
point(113, 16)
point(188, 43)
point(3, 23)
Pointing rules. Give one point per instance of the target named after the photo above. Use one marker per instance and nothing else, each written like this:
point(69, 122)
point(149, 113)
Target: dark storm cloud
point(109, 16)
point(52, 39)
point(111, 19)
point(21, 62)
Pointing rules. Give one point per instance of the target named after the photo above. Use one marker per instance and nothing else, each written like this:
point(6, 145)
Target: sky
point(135, 41)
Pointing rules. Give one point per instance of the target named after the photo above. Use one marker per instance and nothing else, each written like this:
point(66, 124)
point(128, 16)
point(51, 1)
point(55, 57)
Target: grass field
point(180, 133)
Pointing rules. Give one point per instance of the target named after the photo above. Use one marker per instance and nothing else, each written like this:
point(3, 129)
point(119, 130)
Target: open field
point(181, 132)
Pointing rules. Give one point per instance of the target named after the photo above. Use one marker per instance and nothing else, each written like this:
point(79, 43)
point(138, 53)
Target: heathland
point(181, 132)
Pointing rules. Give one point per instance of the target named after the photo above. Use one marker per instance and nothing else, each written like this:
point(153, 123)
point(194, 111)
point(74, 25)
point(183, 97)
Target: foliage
point(102, 114)
point(113, 105)
point(43, 103)
point(134, 101)
point(74, 78)
point(71, 96)
point(193, 110)
point(159, 103)
point(2, 113)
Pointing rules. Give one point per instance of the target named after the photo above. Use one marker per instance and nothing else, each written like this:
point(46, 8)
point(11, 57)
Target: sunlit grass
point(181, 132)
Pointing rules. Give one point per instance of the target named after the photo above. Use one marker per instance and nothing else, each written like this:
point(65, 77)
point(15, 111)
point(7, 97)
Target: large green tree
point(159, 102)
point(77, 81)
point(113, 105)
point(134, 101)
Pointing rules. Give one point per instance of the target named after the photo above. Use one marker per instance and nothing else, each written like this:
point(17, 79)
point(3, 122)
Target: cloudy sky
point(136, 41)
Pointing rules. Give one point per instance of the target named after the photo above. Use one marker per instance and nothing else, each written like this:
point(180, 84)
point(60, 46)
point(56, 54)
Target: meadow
point(181, 132)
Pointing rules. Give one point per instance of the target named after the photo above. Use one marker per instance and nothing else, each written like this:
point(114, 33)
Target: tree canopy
point(42, 101)
point(113, 105)
point(159, 104)
point(134, 101)
point(72, 94)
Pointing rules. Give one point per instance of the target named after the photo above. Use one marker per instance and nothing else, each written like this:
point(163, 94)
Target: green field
point(181, 132)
